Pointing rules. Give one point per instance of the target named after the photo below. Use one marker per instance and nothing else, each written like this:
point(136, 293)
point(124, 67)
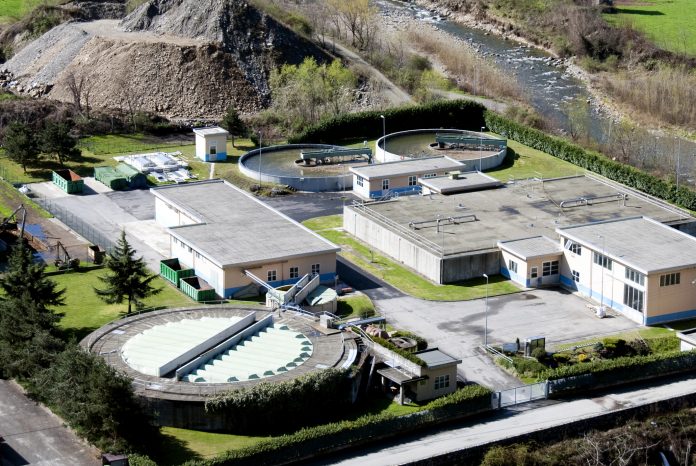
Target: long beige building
point(638, 266)
point(221, 231)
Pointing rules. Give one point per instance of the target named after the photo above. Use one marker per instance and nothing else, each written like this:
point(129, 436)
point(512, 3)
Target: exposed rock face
point(179, 58)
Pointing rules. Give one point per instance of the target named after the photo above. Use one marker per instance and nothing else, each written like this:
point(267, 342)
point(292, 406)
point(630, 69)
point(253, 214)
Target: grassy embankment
point(668, 23)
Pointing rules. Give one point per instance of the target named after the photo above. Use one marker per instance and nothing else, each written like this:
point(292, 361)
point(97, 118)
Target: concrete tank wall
point(486, 163)
point(397, 247)
point(300, 183)
point(466, 267)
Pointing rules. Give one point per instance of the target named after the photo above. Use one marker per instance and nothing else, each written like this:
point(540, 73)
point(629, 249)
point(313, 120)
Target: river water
point(548, 88)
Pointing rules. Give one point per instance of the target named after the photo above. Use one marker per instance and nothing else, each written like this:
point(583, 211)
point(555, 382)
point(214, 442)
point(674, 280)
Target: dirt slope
point(180, 58)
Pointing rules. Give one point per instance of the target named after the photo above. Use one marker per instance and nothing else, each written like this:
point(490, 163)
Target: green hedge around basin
point(311, 399)
point(592, 161)
point(620, 370)
point(460, 114)
point(313, 441)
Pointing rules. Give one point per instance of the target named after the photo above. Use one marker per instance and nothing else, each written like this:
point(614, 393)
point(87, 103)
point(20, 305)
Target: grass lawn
point(355, 306)
point(669, 23)
point(524, 162)
point(85, 312)
point(12, 10)
point(194, 444)
point(401, 277)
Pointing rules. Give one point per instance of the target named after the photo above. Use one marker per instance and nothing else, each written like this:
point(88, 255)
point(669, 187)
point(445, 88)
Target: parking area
point(458, 327)
point(107, 212)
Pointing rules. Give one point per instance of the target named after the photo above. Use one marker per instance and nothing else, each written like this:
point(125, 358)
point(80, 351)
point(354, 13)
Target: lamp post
point(384, 138)
point(485, 327)
point(481, 149)
point(603, 264)
point(260, 150)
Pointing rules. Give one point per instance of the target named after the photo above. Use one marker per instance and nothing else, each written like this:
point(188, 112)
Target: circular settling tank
point(475, 154)
point(283, 165)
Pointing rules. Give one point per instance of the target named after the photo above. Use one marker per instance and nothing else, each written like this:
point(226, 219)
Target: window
point(635, 276)
point(359, 180)
point(512, 266)
point(576, 275)
point(670, 279)
point(412, 180)
point(534, 273)
point(573, 247)
point(315, 269)
point(385, 184)
point(294, 272)
point(271, 275)
point(441, 381)
point(430, 175)
point(213, 149)
point(633, 298)
point(549, 268)
point(602, 260)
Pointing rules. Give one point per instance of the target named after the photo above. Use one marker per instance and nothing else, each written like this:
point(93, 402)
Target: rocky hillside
point(179, 58)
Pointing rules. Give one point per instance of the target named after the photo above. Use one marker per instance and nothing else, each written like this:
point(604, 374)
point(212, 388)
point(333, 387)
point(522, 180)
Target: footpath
point(537, 419)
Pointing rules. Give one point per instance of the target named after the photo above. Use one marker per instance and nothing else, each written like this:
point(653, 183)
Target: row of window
point(360, 181)
point(412, 180)
point(670, 279)
point(547, 268)
point(272, 275)
point(442, 381)
point(602, 260)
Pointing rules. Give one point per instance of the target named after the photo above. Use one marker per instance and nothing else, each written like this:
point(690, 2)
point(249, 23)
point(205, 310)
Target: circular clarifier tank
point(476, 153)
point(283, 165)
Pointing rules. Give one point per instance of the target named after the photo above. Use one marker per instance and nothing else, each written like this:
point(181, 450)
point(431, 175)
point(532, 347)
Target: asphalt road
point(508, 423)
point(34, 435)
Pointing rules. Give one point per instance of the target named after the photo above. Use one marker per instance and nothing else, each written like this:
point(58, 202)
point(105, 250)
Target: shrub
point(592, 161)
point(313, 441)
point(539, 354)
point(306, 400)
point(663, 344)
point(562, 358)
point(461, 114)
point(403, 353)
point(528, 367)
point(615, 348)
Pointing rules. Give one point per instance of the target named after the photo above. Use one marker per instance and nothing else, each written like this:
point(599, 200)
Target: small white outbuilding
point(211, 143)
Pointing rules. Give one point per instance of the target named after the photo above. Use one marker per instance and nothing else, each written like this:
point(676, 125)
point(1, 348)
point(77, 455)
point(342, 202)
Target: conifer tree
point(127, 277)
point(26, 276)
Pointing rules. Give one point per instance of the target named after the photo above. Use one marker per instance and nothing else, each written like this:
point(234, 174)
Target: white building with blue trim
point(637, 266)
point(221, 231)
point(211, 143)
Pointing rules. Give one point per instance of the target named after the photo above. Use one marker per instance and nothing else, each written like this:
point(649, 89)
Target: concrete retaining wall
point(300, 183)
point(465, 267)
point(484, 163)
point(400, 249)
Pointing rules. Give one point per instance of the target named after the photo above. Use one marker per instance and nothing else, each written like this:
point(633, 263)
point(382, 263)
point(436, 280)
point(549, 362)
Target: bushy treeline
point(271, 408)
point(91, 396)
point(314, 441)
point(461, 114)
point(620, 370)
point(592, 161)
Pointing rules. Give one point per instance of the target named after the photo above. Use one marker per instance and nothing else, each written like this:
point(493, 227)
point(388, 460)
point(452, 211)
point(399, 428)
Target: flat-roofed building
point(211, 143)
point(400, 177)
point(638, 266)
point(221, 231)
point(455, 237)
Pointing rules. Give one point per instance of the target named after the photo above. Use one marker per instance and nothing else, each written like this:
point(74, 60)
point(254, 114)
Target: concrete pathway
point(34, 435)
point(510, 423)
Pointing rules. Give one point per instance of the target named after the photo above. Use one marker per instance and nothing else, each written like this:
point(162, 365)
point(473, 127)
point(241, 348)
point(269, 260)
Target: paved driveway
point(33, 435)
point(458, 327)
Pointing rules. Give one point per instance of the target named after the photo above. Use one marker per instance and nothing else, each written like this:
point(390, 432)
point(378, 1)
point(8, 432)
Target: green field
point(525, 162)
point(85, 312)
point(11, 10)
point(398, 275)
point(669, 23)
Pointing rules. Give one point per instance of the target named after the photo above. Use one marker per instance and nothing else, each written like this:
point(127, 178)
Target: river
point(548, 87)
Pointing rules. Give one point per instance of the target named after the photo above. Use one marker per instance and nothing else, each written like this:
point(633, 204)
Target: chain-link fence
point(80, 227)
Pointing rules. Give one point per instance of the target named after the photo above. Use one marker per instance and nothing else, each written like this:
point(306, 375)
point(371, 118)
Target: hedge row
point(592, 161)
point(306, 400)
point(460, 114)
point(401, 352)
point(624, 369)
point(323, 439)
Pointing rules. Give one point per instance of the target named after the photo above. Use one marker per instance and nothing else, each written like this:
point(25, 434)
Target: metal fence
point(518, 395)
point(81, 227)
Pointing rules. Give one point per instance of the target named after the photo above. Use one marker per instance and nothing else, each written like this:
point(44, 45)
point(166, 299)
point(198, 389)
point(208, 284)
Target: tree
point(24, 276)
point(358, 17)
point(126, 278)
point(20, 144)
point(56, 140)
point(232, 123)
